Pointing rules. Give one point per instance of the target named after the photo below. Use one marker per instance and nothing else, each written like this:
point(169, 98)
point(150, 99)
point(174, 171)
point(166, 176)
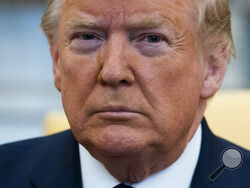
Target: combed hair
point(214, 24)
point(50, 19)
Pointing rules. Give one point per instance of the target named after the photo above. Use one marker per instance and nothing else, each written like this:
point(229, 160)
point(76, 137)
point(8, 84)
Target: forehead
point(120, 12)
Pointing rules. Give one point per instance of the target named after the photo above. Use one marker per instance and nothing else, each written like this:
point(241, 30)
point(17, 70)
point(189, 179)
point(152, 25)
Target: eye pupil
point(154, 38)
point(87, 36)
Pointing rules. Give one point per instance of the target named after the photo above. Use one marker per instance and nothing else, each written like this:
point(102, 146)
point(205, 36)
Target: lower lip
point(117, 115)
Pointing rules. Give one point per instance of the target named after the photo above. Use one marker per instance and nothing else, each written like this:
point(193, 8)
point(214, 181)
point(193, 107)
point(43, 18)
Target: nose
point(115, 66)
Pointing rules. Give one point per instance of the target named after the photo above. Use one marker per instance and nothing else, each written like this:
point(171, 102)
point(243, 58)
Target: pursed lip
point(116, 109)
point(118, 112)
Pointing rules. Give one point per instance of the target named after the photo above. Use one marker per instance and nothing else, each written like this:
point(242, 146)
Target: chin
point(115, 141)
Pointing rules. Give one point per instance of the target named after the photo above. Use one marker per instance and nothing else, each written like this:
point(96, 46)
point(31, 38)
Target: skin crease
point(167, 83)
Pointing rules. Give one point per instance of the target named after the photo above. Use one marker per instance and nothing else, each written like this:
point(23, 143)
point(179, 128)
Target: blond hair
point(50, 19)
point(215, 26)
point(214, 23)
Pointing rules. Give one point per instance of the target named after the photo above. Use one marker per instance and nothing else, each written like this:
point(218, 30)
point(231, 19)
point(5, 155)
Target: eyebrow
point(86, 22)
point(143, 20)
point(134, 22)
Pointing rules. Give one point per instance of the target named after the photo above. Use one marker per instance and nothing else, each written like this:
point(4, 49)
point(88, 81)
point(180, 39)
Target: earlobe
point(215, 69)
point(56, 66)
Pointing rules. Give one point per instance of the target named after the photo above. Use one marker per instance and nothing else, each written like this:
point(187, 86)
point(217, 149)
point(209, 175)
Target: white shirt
point(177, 175)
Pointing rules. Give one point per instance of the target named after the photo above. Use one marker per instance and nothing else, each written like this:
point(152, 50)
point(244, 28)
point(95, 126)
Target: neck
point(199, 115)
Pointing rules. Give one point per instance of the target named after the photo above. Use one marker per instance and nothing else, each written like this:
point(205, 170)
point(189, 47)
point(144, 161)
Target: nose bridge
point(115, 67)
point(115, 49)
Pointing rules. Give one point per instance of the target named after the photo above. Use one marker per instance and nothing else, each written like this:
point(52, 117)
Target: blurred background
point(27, 91)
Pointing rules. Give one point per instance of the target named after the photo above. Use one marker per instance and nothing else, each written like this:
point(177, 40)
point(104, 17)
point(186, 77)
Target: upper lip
point(116, 109)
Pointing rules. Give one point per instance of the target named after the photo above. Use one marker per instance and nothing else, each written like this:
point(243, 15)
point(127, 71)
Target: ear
point(56, 65)
point(215, 68)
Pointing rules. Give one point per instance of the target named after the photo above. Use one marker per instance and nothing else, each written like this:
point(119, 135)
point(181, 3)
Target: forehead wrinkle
point(143, 21)
point(130, 21)
point(86, 21)
point(192, 9)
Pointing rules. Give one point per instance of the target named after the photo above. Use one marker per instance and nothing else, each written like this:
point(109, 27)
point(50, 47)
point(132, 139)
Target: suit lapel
point(208, 159)
point(60, 164)
point(212, 148)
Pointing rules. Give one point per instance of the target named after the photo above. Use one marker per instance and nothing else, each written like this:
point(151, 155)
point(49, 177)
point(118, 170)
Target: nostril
point(124, 82)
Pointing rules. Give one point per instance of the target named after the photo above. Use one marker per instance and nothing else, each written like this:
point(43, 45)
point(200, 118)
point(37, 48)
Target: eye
point(154, 38)
point(85, 42)
point(86, 36)
point(152, 44)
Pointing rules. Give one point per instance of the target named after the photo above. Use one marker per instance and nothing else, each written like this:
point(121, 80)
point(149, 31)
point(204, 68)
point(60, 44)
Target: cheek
point(177, 78)
point(78, 78)
point(174, 88)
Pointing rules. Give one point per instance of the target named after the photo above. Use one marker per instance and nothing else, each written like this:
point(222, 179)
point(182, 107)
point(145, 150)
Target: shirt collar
point(94, 174)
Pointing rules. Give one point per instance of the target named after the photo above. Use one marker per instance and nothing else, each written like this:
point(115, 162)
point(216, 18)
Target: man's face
point(129, 73)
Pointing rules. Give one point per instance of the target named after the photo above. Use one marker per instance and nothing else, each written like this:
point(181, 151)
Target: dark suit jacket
point(53, 162)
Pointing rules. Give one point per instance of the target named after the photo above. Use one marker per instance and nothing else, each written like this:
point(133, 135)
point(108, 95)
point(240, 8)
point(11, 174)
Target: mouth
point(117, 112)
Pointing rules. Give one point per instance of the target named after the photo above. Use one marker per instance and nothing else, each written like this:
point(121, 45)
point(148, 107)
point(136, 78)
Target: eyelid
point(96, 33)
point(75, 35)
point(143, 36)
point(154, 34)
point(162, 31)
